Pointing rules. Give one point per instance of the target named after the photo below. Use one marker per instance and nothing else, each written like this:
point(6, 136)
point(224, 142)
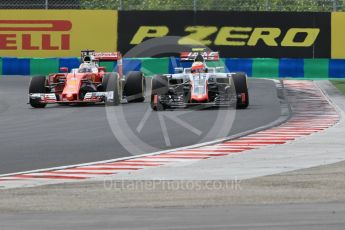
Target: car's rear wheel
point(37, 85)
point(240, 82)
point(159, 87)
point(111, 84)
point(135, 86)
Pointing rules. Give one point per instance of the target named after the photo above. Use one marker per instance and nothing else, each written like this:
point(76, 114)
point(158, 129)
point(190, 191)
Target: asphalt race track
point(257, 217)
point(63, 135)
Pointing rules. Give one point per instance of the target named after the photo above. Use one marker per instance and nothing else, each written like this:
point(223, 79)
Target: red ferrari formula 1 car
point(89, 83)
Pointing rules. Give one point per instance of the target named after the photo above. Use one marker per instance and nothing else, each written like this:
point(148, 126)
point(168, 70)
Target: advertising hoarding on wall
point(234, 34)
point(56, 33)
point(338, 35)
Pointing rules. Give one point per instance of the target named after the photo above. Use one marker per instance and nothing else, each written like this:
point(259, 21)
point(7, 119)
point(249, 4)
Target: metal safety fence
point(196, 5)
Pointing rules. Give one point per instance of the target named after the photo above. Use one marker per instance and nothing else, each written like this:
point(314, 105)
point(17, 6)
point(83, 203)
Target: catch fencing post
point(334, 5)
point(266, 5)
point(121, 5)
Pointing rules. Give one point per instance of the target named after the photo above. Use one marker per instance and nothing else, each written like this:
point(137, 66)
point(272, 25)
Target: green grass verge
point(340, 85)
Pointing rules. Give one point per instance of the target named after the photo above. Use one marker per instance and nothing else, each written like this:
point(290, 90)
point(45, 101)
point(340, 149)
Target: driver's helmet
point(85, 68)
point(87, 59)
point(198, 67)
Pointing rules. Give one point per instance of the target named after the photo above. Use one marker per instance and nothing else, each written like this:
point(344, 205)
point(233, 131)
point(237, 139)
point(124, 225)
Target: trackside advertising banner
point(338, 35)
point(56, 33)
point(234, 34)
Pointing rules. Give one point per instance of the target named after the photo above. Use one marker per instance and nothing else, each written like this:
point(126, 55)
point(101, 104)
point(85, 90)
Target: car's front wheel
point(159, 87)
point(240, 82)
point(37, 85)
point(111, 84)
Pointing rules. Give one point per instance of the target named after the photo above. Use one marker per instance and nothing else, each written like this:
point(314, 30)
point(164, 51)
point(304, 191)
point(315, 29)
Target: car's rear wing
point(110, 56)
point(207, 56)
point(104, 57)
point(107, 56)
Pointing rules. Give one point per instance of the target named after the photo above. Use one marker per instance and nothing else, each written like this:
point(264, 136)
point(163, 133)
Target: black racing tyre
point(160, 86)
point(111, 83)
point(240, 82)
point(135, 86)
point(105, 80)
point(37, 85)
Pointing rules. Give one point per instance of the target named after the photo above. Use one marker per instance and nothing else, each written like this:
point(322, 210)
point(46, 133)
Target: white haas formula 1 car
point(199, 85)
